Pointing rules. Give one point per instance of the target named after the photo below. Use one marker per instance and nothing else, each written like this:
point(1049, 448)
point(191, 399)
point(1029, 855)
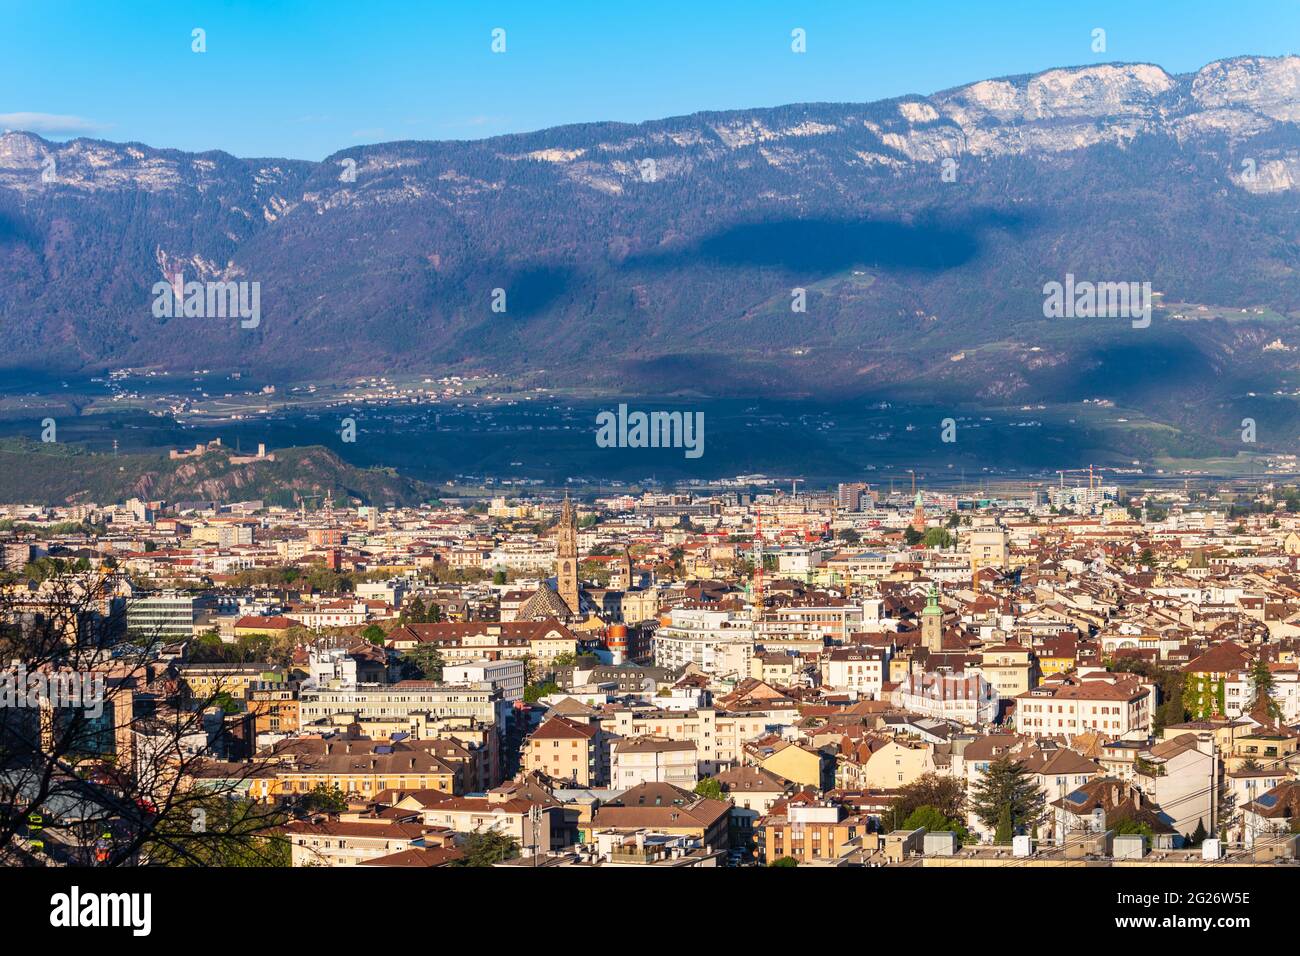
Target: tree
point(323, 799)
point(1262, 679)
point(218, 814)
point(226, 702)
point(945, 794)
point(499, 578)
point(1006, 798)
point(1006, 826)
point(932, 820)
point(530, 668)
point(112, 783)
point(710, 788)
point(415, 613)
point(937, 538)
point(422, 663)
point(488, 847)
point(1171, 685)
point(912, 537)
point(374, 634)
point(786, 861)
point(535, 692)
point(564, 659)
point(1130, 825)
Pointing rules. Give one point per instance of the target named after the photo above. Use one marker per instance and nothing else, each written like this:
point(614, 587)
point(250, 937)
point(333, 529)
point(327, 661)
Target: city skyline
point(442, 443)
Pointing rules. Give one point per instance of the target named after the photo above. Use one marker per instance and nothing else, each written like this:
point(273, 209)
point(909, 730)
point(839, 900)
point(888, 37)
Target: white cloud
point(51, 124)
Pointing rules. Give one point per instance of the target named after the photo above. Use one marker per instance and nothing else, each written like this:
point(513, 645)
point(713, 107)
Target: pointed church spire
point(932, 601)
point(566, 557)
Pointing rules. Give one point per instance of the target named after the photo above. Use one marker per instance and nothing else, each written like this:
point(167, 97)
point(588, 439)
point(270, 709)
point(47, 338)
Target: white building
point(638, 760)
point(712, 640)
point(862, 670)
point(1118, 710)
point(506, 676)
point(168, 616)
point(968, 699)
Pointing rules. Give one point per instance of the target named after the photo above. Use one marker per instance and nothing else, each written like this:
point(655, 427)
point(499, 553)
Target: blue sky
point(305, 79)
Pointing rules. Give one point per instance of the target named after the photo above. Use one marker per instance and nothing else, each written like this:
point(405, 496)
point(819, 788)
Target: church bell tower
point(566, 557)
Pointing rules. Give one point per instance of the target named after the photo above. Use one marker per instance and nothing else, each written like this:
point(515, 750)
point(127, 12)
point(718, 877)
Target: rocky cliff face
point(664, 252)
point(1056, 111)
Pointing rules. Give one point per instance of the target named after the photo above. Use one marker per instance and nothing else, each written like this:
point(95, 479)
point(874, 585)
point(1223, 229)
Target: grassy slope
point(61, 473)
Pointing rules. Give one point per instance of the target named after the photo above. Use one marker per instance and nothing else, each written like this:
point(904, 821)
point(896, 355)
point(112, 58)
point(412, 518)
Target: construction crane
point(1077, 471)
point(302, 505)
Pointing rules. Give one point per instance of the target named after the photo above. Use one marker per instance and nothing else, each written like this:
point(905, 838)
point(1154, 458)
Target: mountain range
point(667, 257)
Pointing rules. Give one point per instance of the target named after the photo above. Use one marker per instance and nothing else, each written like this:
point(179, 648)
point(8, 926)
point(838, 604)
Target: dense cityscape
point(741, 438)
point(762, 677)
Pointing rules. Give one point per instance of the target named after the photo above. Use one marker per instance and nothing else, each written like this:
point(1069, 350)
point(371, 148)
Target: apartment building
point(719, 736)
point(563, 749)
point(858, 669)
point(462, 642)
point(162, 618)
point(811, 831)
point(1065, 707)
point(506, 676)
point(400, 701)
point(349, 842)
point(966, 698)
point(637, 760)
point(714, 641)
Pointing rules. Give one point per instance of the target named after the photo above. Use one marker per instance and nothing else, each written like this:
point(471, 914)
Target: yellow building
point(269, 626)
point(811, 831)
point(563, 749)
point(205, 681)
point(790, 761)
point(884, 764)
point(775, 669)
point(362, 768)
point(1012, 669)
point(274, 706)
